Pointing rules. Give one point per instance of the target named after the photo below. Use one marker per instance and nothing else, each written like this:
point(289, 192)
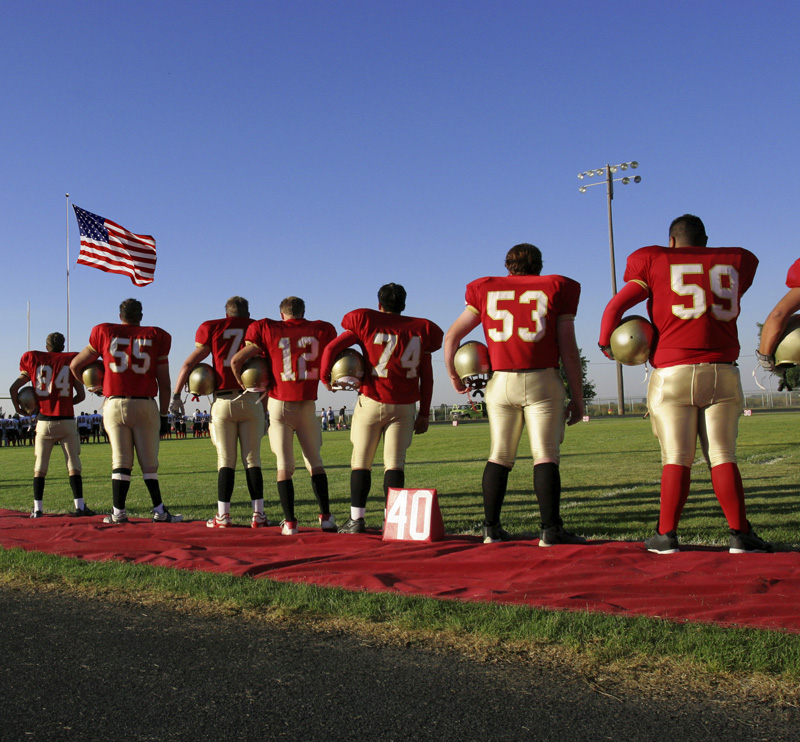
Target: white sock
point(78, 503)
point(37, 505)
point(356, 513)
point(117, 511)
point(159, 508)
point(258, 506)
point(223, 508)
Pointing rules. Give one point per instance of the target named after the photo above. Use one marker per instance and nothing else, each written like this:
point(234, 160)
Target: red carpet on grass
point(698, 584)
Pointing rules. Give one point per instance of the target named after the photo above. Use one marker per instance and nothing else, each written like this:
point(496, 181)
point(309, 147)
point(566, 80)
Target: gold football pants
point(533, 399)
point(703, 399)
point(371, 420)
point(288, 418)
point(237, 418)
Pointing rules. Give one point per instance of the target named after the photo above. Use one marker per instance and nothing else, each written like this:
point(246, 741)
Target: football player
point(775, 323)
point(236, 418)
point(398, 351)
point(294, 347)
point(57, 394)
point(693, 294)
point(136, 362)
point(528, 322)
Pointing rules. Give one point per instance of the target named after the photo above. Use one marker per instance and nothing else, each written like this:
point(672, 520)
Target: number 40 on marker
point(413, 515)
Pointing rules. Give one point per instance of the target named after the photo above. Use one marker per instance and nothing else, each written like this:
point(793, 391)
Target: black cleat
point(556, 535)
point(353, 525)
point(495, 534)
point(662, 543)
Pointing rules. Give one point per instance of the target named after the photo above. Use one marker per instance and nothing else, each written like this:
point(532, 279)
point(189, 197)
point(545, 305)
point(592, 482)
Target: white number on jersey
point(724, 281)
point(409, 359)
point(303, 373)
point(538, 315)
point(45, 382)
point(138, 353)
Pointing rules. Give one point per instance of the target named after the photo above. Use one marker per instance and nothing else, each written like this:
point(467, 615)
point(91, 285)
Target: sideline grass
point(610, 472)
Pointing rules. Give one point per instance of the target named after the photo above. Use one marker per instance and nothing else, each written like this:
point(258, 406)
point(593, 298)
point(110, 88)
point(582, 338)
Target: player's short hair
point(130, 310)
point(392, 297)
point(55, 342)
point(237, 306)
point(524, 260)
point(293, 306)
point(689, 230)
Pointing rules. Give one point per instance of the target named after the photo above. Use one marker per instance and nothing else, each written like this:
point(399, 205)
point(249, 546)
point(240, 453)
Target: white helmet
point(347, 371)
point(255, 375)
point(202, 380)
point(787, 352)
point(632, 340)
point(472, 364)
point(28, 400)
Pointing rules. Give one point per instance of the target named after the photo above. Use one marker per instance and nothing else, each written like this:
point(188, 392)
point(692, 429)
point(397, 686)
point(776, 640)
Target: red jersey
point(223, 337)
point(294, 348)
point(52, 381)
point(694, 300)
point(519, 315)
point(793, 276)
point(130, 355)
point(393, 346)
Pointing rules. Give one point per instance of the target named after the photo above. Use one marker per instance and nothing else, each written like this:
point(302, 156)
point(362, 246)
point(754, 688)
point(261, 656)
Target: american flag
point(113, 249)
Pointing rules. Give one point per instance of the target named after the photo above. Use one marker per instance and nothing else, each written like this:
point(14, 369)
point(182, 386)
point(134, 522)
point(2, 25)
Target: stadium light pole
point(608, 171)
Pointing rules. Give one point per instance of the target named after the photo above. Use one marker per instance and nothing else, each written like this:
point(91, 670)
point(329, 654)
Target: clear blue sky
point(323, 149)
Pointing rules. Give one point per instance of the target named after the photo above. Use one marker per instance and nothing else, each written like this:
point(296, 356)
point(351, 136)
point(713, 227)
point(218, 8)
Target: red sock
point(727, 483)
point(675, 481)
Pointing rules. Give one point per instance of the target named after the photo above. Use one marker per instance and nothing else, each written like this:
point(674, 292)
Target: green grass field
point(610, 472)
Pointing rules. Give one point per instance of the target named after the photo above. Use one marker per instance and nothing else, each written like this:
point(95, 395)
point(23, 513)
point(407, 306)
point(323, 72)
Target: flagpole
point(67, 196)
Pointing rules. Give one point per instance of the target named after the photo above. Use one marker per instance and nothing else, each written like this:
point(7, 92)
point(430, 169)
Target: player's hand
point(607, 352)
point(97, 389)
point(164, 430)
point(575, 411)
point(766, 361)
point(176, 406)
point(421, 425)
point(458, 385)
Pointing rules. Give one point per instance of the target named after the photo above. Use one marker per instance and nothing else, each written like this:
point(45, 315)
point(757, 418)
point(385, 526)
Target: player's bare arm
point(425, 372)
point(571, 359)
point(13, 391)
point(464, 324)
point(83, 359)
point(164, 387)
point(775, 323)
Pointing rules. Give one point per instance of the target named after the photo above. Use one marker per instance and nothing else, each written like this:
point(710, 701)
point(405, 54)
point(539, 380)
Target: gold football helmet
point(92, 376)
point(632, 340)
point(347, 371)
point(202, 380)
point(27, 400)
point(255, 375)
point(787, 352)
point(472, 364)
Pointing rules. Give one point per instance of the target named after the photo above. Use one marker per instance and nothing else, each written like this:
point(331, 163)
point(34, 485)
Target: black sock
point(76, 484)
point(119, 488)
point(319, 484)
point(286, 495)
point(154, 488)
point(38, 488)
point(360, 482)
point(393, 478)
point(255, 482)
point(547, 486)
point(225, 478)
point(494, 484)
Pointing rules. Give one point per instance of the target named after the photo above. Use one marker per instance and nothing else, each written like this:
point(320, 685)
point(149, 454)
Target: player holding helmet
point(775, 324)
point(398, 352)
point(693, 294)
point(294, 347)
point(136, 362)
point(528, 322)
point(235, 417)
point(57, 394)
